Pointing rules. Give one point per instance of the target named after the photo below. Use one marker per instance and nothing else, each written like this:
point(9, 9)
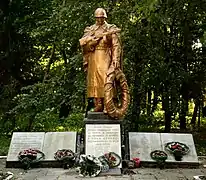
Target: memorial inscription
point(58, 140)
point(102, 138)
point(24, 140)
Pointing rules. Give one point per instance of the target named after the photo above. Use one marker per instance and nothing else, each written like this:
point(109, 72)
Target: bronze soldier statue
point(101, 54)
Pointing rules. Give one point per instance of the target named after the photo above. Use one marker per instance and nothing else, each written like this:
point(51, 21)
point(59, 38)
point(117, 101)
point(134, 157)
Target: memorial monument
point(102, 62)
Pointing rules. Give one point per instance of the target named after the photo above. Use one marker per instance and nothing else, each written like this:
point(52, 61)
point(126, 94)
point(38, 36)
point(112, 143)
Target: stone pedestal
point(102, 135)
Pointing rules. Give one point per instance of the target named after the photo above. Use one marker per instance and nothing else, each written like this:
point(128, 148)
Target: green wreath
point(30, 156)
point(178, 149)
point(159, 156)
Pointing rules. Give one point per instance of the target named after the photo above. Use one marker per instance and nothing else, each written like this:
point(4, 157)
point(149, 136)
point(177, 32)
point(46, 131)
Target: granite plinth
point(102, 138)
point(100, 118)
point(97, 115)
point(142, 144)
point(103, 135)
point(102, 121)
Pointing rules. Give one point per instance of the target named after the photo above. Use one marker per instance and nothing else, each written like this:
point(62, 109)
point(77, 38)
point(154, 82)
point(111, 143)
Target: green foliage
point(42, 86)
point(4, 145)
point(74, 122)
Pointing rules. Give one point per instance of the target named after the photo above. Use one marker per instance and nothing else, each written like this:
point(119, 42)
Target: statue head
point(100, 15)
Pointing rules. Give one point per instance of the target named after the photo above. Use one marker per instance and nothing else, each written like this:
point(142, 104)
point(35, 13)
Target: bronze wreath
point(113, 110)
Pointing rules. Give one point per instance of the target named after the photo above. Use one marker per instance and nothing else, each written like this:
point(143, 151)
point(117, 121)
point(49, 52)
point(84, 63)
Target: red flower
point(113, 158)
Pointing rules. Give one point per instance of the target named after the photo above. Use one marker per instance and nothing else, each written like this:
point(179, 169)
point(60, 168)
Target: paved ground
point(141, 174)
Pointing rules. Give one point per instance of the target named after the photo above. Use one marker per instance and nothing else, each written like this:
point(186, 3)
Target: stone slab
point(24, 140)
point(48, 143)
point(142, 144)
point(97, 115)
point(100, 116)
point(187, 139)
point(102, 138)
point(54, 141)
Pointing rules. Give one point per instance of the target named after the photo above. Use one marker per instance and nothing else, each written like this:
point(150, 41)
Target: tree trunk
point(136, 105)
point(199, 114)
point(168, 113)
point(49, 63)
point(149, 100)
point(194, 116)
point(64, 55)
point(183, 111)
point(154, 102)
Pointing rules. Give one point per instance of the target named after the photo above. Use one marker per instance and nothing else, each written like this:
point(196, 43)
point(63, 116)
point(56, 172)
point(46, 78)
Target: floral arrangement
point(177, 149)
point(159, 156)
point(30, 156)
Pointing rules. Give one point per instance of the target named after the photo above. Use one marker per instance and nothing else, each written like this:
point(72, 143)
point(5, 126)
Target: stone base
point(100, 118)
point(171, 165)
point(103, 135)
point(41, 164)
point(101, 121)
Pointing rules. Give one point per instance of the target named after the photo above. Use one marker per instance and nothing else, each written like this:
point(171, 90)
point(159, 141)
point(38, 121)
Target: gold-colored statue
point(102, 59)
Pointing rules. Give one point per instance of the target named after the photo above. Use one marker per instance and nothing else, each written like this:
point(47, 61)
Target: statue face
point(100, 20)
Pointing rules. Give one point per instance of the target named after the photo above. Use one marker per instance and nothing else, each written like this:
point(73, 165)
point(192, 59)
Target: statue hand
point(116, 64)
point(93, 41)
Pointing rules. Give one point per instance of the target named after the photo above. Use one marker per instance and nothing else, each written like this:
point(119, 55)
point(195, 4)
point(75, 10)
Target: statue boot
point(98, 105)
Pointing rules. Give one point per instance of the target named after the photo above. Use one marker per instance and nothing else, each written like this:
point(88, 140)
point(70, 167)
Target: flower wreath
point(159, 156)
point(66, 156)
point(89, 166)
point(113, 159)
point(177, 149)
point(113, 110)
point(30, 156)
point(92, 166)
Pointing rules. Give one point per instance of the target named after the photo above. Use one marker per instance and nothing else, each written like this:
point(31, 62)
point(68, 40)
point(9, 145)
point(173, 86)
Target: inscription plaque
point(103, 138)
point(24, 140)
point(58, 140)
point(187, 139)
point(142, 144)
